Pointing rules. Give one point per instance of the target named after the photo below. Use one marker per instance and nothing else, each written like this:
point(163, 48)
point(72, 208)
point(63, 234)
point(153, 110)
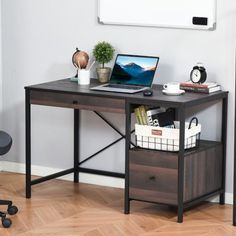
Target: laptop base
point(117, 90)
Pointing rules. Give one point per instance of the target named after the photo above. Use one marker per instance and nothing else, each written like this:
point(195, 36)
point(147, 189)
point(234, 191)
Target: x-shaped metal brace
point(109, 145)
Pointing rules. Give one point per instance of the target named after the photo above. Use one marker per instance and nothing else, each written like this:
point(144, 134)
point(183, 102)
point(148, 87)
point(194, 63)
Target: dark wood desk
point(64, 93)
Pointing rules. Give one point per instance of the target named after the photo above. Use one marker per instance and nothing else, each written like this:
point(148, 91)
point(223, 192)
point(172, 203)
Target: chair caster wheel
point(12, 210)
point(6, 223)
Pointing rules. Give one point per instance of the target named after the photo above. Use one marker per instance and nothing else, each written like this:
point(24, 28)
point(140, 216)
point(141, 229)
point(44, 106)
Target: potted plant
point(103, 53)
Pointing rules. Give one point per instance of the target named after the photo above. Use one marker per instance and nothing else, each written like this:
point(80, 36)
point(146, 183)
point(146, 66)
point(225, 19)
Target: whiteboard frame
point(192, 27)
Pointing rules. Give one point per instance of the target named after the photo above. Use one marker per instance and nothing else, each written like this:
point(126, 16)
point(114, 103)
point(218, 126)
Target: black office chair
point(5, 145)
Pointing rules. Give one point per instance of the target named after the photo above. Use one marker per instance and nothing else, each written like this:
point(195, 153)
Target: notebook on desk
point(131, 74)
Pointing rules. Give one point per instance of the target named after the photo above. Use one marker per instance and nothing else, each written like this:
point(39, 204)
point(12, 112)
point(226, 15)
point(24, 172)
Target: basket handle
point(191, 121)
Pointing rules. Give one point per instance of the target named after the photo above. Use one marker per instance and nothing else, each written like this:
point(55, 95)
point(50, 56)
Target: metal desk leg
point(28, 142)
point(127, 147)
point(181, 165)
point(223, 140)
point(76, 145)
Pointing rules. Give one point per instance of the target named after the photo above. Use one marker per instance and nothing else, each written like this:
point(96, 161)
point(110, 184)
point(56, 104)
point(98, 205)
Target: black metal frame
point(224, 140)
point(77, 163)
point(76, 144)
point(127, 148)
point(28, 143)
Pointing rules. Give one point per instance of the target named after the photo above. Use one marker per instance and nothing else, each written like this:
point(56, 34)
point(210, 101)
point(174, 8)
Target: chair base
point(11, 210)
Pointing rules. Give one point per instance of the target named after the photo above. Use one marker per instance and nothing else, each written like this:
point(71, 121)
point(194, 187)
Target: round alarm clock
point(198, 74)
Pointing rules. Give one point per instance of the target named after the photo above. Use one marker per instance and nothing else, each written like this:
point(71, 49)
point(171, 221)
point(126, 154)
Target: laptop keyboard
point(123, 86)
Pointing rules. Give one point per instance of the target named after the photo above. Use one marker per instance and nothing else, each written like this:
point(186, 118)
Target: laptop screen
point(134, 70)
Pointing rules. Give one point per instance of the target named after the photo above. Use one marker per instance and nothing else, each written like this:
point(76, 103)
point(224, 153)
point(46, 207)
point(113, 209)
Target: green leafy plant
point(103, 52)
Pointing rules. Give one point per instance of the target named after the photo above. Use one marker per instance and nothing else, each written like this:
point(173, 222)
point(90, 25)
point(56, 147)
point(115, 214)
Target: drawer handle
point(152, 178)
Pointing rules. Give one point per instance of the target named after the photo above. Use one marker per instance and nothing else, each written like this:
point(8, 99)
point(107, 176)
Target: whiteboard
point(158, 13)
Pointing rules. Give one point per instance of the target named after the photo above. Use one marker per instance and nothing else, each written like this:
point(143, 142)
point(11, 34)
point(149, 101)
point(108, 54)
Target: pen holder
point(84, 77)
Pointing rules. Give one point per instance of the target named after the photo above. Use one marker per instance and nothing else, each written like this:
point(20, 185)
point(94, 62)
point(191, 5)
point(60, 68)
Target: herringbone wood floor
point(66, 209)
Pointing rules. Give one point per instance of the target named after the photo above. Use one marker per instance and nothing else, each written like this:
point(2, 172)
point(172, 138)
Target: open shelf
point(203, 145)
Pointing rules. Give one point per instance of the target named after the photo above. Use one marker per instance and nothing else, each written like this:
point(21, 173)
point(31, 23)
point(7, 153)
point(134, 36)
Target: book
point(165, 119)
point(151, 119)
point(143, 114)
point(201, 89)
point(195, 85)
point(138, 116)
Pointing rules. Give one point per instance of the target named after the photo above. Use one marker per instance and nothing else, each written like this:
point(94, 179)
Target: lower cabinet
point(153, 175)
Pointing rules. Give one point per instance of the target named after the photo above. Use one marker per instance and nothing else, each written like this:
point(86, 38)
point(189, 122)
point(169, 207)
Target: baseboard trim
point(44, 171)
point(84, 178)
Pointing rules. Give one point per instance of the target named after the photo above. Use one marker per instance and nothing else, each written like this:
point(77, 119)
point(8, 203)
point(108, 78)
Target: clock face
point(196, 76)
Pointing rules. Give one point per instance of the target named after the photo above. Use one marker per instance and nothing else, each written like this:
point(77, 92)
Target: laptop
point(130, 74)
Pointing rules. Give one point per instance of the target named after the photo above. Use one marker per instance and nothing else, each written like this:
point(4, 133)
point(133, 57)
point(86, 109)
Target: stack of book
point(154, 116)
point(209, 87)
point(141, 115)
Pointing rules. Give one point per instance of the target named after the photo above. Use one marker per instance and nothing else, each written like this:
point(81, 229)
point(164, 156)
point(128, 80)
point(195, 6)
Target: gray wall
point(39, 37)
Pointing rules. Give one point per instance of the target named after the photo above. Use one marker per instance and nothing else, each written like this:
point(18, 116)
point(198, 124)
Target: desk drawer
point(153, 176)
point(77, 101)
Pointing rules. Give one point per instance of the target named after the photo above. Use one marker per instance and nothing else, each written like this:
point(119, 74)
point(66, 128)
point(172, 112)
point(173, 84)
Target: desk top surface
point(189, 98)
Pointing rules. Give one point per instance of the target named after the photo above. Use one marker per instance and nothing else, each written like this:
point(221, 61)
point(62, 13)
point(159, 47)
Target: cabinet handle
point(75, 102)
point(152, 177)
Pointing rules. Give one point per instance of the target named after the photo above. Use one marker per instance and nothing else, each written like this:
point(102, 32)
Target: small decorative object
point(80, 60)
point(103, 53)
point(198, 74)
